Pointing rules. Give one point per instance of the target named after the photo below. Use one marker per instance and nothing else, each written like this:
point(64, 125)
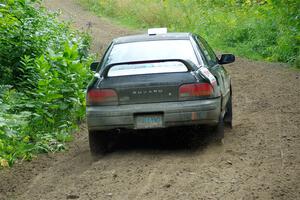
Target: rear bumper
point(173, 114)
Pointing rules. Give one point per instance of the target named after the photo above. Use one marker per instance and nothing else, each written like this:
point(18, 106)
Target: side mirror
point(94, 66)
point(226, 58)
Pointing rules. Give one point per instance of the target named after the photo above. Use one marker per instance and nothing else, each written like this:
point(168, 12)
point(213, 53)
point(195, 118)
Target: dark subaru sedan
point(157, 80)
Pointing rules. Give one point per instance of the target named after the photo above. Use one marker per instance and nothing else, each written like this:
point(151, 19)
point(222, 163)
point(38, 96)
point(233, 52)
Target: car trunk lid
point(148, 81)
point(148, 88)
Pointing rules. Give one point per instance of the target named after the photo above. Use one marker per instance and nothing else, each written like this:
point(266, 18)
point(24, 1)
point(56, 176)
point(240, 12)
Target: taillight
point(102, 97)
point(188, 91)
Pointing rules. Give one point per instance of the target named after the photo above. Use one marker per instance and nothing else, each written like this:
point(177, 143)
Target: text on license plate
point(148, 121)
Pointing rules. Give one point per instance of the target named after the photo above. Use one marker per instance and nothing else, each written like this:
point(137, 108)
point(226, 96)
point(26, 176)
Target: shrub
point(43, 75)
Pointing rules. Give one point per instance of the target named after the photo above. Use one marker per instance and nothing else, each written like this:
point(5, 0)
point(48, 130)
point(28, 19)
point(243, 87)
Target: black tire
point(99, 142)
point(219, 130)
point(228, 114)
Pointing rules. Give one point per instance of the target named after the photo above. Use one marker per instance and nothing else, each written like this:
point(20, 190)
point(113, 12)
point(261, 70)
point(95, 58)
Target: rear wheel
point(99, 142)
point(228, 114)
point(219, 130)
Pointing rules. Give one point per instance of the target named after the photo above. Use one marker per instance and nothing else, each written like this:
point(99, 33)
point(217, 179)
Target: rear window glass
point(146, 68)
point(152, 50)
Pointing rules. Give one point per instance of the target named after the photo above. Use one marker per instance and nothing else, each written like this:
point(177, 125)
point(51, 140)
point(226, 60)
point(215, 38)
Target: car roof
point(146, 37)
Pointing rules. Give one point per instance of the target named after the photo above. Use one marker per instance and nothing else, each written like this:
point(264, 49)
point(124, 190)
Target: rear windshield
point(146, 68)
point(152, 50)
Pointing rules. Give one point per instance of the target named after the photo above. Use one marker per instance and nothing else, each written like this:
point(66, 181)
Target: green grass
point(260, 30)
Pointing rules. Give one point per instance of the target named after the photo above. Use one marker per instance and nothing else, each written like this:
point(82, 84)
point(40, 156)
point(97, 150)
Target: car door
point(216, 69)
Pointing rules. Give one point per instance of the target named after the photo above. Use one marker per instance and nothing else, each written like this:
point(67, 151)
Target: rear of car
point(152, 100)
point(148, 82)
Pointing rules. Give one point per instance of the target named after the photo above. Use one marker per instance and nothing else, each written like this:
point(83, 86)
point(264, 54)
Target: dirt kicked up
point(260, 157)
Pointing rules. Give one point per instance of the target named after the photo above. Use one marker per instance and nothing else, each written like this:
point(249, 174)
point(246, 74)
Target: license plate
point(148, 121)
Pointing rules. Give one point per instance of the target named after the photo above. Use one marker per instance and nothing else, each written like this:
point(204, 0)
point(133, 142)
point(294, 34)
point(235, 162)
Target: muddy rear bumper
point(173, 114)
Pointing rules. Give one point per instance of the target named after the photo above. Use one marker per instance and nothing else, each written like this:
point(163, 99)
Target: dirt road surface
point(260, 157)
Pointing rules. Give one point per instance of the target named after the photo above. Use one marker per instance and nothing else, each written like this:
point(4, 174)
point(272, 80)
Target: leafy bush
point(257, 29)
point(43, 75)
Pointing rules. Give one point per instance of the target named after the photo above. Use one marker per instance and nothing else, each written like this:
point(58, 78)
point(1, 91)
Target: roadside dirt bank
point(260, 157)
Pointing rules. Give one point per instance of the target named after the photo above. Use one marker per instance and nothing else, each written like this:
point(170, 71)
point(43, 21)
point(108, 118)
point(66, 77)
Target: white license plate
point(148, 121)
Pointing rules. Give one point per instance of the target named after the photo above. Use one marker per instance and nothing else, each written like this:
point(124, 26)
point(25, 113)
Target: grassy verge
point(263, 30)
point(43, 75)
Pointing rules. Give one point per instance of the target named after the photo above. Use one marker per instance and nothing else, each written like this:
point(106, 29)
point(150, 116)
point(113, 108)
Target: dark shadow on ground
point(179, 138)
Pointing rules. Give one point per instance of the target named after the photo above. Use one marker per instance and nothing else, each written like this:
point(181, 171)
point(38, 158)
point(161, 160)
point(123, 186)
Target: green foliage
point(43, 75)
point(257, 29)
point(27, 30)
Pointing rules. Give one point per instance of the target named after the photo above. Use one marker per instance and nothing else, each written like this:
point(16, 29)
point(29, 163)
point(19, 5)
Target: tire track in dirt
point(260, 157)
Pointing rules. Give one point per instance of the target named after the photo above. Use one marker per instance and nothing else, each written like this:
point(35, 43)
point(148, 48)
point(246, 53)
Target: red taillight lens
point(195, 90)
point(102, 97)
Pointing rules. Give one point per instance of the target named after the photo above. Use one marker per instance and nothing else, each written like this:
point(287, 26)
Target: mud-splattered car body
point(157, 81)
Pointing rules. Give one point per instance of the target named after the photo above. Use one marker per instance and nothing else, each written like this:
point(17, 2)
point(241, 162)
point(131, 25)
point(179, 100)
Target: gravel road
point(260, 157)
